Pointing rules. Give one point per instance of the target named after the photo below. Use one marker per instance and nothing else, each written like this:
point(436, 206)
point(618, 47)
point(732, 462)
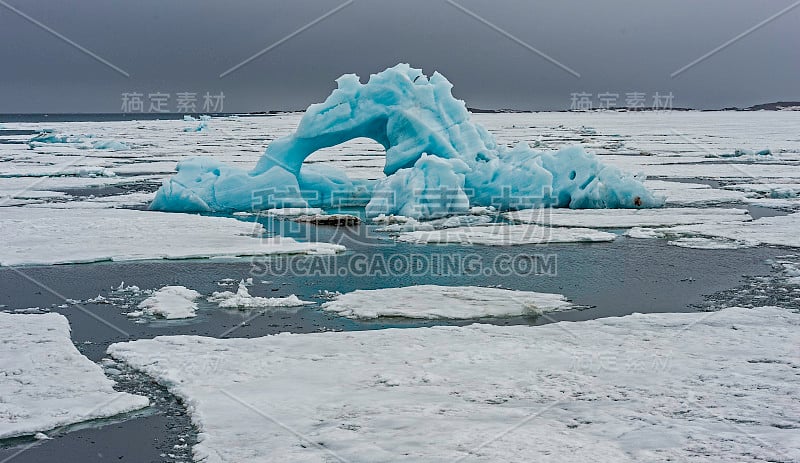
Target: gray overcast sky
point(617, 46)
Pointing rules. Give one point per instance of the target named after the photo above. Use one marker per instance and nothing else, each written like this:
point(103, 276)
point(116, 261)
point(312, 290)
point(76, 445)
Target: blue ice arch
point(438, 162)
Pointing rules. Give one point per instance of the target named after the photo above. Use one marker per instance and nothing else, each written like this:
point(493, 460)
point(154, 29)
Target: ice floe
point(628, 218)
point(655, 387)
point(694, 194)
point(505, 235)
point(56, 236)
point(776, 231)
point(47, 383)
point(699, 242)
point(453, 302)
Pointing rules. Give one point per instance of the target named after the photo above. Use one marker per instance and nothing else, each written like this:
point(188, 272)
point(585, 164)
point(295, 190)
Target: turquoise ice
point(438, 162)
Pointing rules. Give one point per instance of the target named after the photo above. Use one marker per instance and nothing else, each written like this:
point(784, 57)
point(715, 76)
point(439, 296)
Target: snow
point(786, 204)
point(407, 224)
point(242, 299)
point(438, 162)
point(629, 217)
point(450, 302)
point(693, 194)
point(170, 302)
point(776, 231)
point(505, 235)
point(771, 190)
point(47, 383)
point(34, 236)
point(102, 202)
point(711, 243)
point(687, 387)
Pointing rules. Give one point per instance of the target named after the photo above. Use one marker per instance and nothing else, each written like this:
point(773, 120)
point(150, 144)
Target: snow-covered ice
point(628, 218)
point(294, 211)
point(170, 302)
point(694, 194)
point(700, 242)
point(657, 387)
point(776, 231)
point(54, 236)
point(242, 299)
point(505, 235)
point(397, 224)
point(451, 302)
point(47, 383)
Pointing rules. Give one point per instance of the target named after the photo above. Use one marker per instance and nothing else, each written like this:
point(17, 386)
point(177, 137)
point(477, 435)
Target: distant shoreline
point(76, 117)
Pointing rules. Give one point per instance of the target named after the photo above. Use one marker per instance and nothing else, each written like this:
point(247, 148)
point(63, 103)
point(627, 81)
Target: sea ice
point(452, 302)
point(693, 194)
point(628, 218)
point(35, 236)
point(170, 302)
point(506, 235)
point(775, 231)
point(438, 162)
point(47, 383)
point(700, 242)
point(242, 299)
point(683, 387)
point(407, 224)
point(110, 145)
point(294, 211)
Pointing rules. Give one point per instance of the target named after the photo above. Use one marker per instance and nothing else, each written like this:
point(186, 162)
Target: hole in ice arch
point(343, 175)
point(362, 158)
point(325, 129)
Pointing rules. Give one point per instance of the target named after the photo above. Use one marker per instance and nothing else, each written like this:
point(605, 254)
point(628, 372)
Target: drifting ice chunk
point(170, 302)
point(438, 162)
point(47, 383)
point(242, 299)
point(453, 302)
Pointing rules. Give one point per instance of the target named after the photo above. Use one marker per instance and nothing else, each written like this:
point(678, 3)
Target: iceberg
point(438, 162)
